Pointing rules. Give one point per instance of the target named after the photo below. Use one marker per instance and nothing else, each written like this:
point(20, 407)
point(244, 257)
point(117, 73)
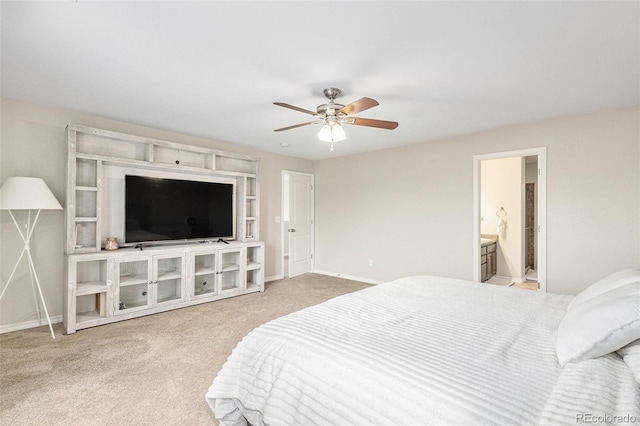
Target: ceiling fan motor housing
point(329, 109)
point(332, 92)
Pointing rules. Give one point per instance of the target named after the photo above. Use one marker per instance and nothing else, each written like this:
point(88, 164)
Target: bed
point(426, 350)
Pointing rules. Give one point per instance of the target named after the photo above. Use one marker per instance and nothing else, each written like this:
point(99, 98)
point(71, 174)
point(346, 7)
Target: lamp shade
point(325, 133)
point(27, 193)
point(337, 133)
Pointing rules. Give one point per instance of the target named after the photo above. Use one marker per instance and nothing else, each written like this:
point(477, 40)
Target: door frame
point(541, 207)
point(312, 212)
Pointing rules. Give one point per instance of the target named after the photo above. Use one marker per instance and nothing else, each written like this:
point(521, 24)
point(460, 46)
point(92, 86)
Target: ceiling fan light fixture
point(331, 132)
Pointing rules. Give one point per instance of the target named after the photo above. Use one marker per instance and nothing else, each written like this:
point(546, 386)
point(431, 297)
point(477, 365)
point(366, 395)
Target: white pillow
point(631, 356)
point(610, 282)
point(600, 325)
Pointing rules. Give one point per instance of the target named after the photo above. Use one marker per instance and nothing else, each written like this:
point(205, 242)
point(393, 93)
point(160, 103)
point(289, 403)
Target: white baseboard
point(348, 277)
point(273, 278)
point(7, 328)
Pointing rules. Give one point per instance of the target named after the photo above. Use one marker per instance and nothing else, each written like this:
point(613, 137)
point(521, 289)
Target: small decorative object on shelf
point(111, 244)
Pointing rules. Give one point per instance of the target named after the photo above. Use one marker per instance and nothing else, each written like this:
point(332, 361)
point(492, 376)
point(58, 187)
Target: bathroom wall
point(502, 183)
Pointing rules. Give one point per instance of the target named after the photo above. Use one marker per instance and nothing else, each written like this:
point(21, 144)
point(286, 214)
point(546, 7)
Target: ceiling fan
point(332, 115)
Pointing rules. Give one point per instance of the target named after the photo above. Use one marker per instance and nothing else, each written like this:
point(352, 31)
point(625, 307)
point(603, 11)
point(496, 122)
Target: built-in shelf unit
point(104, 286)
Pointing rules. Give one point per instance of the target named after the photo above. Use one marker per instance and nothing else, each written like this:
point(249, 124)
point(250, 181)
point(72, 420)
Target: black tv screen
point(158, 209)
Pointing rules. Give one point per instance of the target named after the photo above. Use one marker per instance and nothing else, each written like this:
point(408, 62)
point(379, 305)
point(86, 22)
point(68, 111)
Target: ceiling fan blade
point(358, 106)
point(296, 125)
point(306, 111)
point(381, 124)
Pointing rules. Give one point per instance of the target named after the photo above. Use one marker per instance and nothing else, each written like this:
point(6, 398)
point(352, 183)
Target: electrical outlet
point(370, 262)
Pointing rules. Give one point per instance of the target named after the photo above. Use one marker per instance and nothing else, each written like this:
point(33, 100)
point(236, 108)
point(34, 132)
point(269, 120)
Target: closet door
point(300, 230)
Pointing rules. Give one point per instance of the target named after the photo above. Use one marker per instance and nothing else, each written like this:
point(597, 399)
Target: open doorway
point(297, 223)
point(510, 218)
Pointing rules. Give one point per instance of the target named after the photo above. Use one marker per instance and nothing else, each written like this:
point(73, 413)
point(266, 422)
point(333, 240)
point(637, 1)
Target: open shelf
point(254, 257)
point(94, 287)
point(91, 307)
point(85, 233)
point(107, 144)
point(86, 219)
point(82, 317)
point(86, 204)
point(178, 157)
point(86, 172)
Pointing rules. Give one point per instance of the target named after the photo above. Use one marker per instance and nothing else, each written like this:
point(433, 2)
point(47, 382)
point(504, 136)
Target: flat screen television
point(166, 210)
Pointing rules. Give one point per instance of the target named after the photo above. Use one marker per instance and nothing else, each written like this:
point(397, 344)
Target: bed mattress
point(418, 351)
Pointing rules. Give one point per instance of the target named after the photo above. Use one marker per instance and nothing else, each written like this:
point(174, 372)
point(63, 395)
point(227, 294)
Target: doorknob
point(292, 230)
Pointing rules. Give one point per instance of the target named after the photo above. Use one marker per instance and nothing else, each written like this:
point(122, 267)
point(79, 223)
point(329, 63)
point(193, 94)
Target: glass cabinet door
point(204, 275)
point(133, 287)
point(168, 279)
point(229, 269)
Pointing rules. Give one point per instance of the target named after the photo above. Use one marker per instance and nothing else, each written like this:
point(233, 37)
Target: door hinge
point(538, 171)
point(312, 187)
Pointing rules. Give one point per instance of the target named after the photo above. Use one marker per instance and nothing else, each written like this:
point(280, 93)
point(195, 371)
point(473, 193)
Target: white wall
point(502, 187)
point(410, 209)
point(33, 143)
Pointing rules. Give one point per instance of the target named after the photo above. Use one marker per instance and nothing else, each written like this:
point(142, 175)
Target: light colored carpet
point(527, 285)
point(153, 370)
point(500, 281)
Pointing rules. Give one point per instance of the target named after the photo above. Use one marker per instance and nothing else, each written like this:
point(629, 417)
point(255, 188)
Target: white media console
point(103, 286)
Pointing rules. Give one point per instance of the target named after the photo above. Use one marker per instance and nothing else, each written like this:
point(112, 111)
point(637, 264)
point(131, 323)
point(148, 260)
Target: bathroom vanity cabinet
point(488, 260)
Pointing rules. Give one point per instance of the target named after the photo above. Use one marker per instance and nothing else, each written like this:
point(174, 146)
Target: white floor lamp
point(28, 193)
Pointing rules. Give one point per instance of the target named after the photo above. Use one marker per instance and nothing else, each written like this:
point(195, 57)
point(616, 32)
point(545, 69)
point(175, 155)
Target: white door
point(300, 230)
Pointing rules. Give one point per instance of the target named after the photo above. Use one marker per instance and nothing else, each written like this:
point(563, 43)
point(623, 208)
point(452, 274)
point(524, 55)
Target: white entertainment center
point(105, 286)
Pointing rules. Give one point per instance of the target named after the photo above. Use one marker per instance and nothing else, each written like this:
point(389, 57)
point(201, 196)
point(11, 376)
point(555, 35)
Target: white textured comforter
point(419, 351)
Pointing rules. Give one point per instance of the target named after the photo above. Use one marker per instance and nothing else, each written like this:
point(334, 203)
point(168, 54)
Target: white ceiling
point(214, 69)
